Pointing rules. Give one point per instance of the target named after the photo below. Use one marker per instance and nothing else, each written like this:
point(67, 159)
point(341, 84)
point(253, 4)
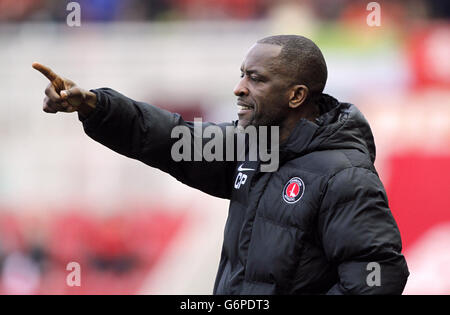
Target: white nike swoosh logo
point(241, 169)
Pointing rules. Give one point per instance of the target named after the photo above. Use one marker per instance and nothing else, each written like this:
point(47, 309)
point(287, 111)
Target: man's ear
point(298, 96)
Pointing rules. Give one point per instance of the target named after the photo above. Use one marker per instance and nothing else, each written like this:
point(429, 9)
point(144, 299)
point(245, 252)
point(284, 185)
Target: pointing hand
point(63, 95)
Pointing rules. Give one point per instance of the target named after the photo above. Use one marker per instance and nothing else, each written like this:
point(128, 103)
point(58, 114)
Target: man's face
point(263, 89)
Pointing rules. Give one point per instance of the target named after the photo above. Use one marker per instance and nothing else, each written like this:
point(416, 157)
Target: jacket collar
point(300, 138)
point(298, 142)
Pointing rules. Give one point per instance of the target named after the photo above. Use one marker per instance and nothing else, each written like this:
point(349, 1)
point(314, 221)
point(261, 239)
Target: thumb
point(74, 96)
point(71, 93)
point(65, 94)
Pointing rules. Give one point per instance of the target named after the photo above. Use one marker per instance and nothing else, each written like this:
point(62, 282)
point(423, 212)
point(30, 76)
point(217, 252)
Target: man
point(319, 224)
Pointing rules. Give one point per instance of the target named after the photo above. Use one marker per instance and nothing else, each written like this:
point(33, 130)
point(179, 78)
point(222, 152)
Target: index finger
point(45, 71)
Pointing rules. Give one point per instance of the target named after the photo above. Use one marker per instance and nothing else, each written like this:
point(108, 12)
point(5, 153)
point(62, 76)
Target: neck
point(306, 111)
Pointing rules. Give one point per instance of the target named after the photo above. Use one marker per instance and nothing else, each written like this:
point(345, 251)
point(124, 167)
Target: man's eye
point(252, 77)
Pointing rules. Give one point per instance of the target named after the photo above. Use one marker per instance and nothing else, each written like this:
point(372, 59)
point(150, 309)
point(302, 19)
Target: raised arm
point(139, 131)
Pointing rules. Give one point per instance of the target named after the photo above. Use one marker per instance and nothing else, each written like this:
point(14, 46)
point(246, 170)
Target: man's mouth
point(244, 108)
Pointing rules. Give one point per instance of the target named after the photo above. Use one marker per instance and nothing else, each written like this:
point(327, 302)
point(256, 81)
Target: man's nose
point(240, 89)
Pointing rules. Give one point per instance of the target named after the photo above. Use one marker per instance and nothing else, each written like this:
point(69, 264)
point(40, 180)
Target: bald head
point(301, 59)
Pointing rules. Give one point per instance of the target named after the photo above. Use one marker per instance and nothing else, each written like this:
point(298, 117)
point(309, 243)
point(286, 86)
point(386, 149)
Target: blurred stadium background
point(135, 230)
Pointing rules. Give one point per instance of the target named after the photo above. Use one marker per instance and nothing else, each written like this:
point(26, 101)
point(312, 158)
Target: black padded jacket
point(320, 224)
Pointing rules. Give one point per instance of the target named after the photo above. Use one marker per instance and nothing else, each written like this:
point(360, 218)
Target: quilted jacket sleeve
point(144, 132)
point(360, 236)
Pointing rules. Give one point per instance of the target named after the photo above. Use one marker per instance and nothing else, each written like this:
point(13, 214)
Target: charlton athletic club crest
point(293, 190)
